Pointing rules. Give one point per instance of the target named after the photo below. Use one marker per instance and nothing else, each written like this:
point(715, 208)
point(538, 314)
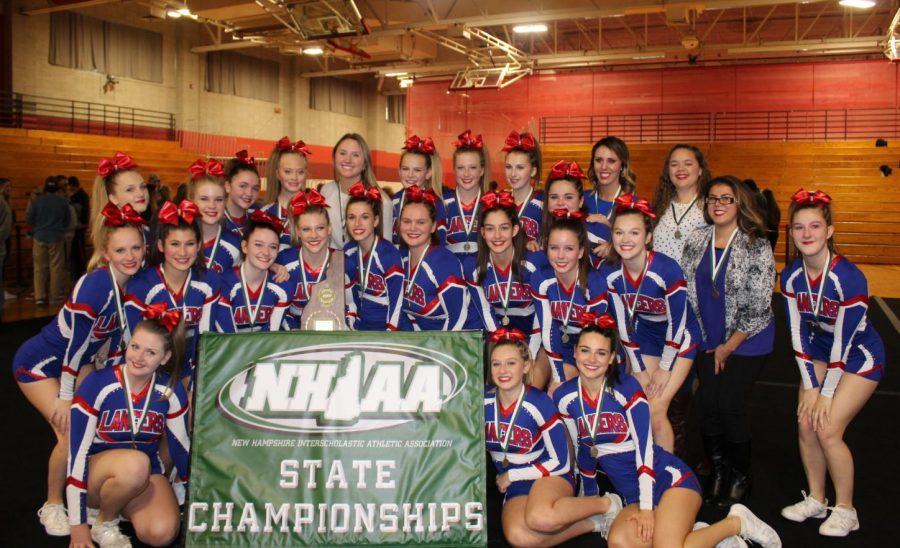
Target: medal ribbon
point(322, 270)
point(504, 295)
point(565, 325)
point(134, 430)
point(467, 226)
point(592, 428)
point(716, 266)
point(252, 314)
point(364, 273)
point(120, 308)
point(184, 289)
point(525, 203)
point(630, 308)
point(411, 279)
point(822, 282)
point(504, 440)
point(683, 215)
point(612, 208)
point(210, 260)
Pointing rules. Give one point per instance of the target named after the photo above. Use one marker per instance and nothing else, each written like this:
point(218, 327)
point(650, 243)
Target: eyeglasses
point(724, 200)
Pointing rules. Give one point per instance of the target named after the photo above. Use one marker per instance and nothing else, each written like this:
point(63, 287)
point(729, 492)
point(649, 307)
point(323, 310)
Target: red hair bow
point(304, 199)
point(465, 139)
point(113, 216)
point(416, 195)
point(163, 316)
point(603, 321)
point(563, 213)
point(629, 201)
point(561, 170)
point(169, 213)
point(415, 144)
point(284, 144)
point(496, 200)
point(120, 161)
point(202, 169)
point(260, 216)
point(523, 141)
point(244, 157)
point(504, 334)
point(359, 190)
point(817, 197)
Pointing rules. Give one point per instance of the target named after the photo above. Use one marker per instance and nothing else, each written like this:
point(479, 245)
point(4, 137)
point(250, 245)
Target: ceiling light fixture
point(313, 50)
point(861, 4)
point(406, 82)
point(531, 28)
point(395, 74)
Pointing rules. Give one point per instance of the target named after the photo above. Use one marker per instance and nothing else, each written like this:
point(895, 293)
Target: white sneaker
point(755, 529)
point(730, 542)
point(602, 522)
point(92, 514)
point(55, 519)
point(107, 535)
point(840, 522)
point(806, 508)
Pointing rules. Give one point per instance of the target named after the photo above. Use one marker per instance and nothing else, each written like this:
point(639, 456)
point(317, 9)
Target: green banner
point(338, 439)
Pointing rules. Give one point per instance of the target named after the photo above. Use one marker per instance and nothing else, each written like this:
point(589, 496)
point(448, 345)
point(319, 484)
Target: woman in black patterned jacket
point(730, 272)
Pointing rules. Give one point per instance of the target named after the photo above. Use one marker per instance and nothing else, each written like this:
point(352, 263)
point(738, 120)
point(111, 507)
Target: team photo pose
point(252, 299)
point(420, 166)
point(352, 161)
point(120, 417)
point(206, 188)
point(435, 297)
point(610, 176)
point(462, 202)
point(118, 181)
point(522, 167)
point(608, 419)
point(840, 356)
point(527, 443)
point(730, 274)
point(563, 290)
point(47, 365)
point(242, 186)
point(175, 276)
point(286, 176)
point(647, 296)
point(373, 269)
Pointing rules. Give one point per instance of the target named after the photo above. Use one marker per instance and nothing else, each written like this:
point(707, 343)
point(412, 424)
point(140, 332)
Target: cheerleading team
point(840, 355)
point(608, 419)
point(47, 366)
point(527, 443)
point(121, 414)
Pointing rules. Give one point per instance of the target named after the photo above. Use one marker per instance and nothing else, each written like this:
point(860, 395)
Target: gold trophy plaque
point(325, 310)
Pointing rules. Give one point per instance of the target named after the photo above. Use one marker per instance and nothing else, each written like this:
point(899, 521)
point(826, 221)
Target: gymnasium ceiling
point(446, 38)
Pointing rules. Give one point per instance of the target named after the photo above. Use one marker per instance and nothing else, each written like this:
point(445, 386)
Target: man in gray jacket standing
point(49, 216)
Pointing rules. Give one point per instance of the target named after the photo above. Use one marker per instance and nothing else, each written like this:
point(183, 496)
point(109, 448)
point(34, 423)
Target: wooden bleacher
point(867, 204)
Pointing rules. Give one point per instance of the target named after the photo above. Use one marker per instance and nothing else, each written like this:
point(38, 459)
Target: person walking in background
point(48, 217)
point(82, 204)
point(6, 221)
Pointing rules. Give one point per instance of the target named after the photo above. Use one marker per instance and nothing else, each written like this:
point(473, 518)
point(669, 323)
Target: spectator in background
point(153, 190)
point(773, 220)
point(6, 221)
point(82, 204)
point(48, 217)
point(181, 193)
point(5, 194)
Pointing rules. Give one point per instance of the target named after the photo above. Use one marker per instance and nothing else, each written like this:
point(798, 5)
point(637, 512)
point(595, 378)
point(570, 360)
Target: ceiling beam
point(70, 7)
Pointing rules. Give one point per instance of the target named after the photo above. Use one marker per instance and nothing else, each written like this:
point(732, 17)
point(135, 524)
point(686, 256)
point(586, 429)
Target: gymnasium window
point(395, 109)
point(231, 73)
point(338, 95)
point(85, 43)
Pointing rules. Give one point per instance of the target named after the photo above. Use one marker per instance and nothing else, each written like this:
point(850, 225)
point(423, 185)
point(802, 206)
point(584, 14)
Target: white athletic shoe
point(730, 542)
point(108, 535)
point(840, 522)
point(55, 519)
point(602, 522)
point(806, 508)
point(92, 514)
point(755, 529)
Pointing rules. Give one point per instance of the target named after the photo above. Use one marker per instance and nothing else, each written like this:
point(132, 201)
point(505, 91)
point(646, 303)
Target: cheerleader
point(47, 365)
point(522, 166)
point(176, 277)
point(608, 419)
point(221, 248)
point(352, 162)
point(307, 261)
point(252, 298)
point(677, 202)
point(730, 273)
point(286, 175)
point(564, 289)
point(120, 416)
point(420, 166)
point(648, 298)
point(434, 288)
point(461, 203)
point(499, 277)
point(242, 186)
point(373, 270)
point(118, 181)
point(564, 190)
point(840, 355)
point(527, 442)
point(611, 176)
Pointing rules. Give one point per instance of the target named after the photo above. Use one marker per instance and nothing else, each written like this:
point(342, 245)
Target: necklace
point(504, 440)
point(678, 220)
point(136, 423)
point(592, 428)
point(716, 266)
point(630, 308)
point(467, 226)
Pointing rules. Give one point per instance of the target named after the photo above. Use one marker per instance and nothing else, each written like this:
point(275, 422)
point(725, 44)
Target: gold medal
point(505, 462)
point(467, 247)
point(715, 293)
point(565, 338)
point(678, 233)
point(505, 320)
point(595, 451)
